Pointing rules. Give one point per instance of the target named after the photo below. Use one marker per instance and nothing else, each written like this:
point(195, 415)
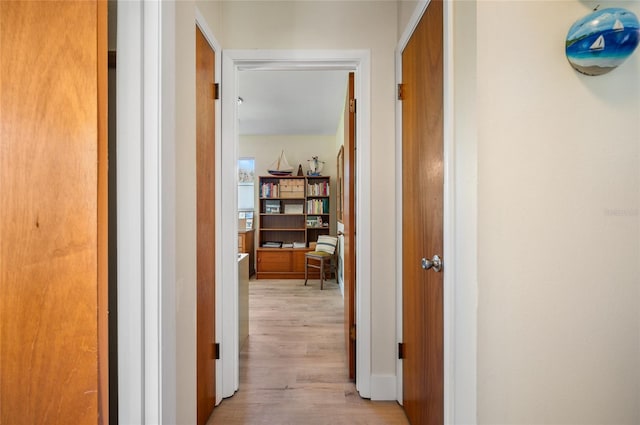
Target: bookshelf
point(293, 212)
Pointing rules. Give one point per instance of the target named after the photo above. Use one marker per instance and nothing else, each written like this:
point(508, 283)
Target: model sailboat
point(280, 166)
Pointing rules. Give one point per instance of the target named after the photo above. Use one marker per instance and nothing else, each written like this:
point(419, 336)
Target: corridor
point(292, 368)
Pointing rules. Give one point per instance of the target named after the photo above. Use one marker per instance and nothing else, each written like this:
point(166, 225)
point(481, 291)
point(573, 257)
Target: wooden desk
point(246, 245)
point(283, 263)
point(243, 299)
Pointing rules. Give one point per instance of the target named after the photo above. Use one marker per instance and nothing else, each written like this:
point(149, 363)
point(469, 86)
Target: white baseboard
point(383, 387)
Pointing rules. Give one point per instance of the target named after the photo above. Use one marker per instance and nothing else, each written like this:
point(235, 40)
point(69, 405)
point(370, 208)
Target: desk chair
point(323, 258)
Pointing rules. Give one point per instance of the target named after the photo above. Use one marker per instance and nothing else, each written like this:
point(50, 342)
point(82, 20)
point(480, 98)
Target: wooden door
point(422, 187)
point(349, 213)
point(205, 181)
point(53, 213)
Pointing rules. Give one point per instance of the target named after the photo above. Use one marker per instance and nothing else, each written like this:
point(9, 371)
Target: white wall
point(558, 220)
point(406, 8)
point(465, 133)
point(340, 132)
point(340, 137)
point(298, 149)
point(344, 25)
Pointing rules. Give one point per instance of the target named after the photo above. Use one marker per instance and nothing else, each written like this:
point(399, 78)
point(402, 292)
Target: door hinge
point(352, 106)
point(111, 58)
point(400, 91)
point(216, 351)
point(352, 332)
point(215, 91)
point(401, 350)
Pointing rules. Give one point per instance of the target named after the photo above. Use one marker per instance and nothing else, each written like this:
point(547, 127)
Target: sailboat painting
point(601, 41)
point(280, 166)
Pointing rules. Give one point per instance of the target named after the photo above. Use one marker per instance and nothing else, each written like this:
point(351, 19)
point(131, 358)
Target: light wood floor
point(292, 368)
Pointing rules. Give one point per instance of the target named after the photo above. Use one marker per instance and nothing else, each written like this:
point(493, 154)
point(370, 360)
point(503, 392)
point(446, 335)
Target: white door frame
point(459, 240)
point(146, 209)
point(447, 208)
point(146, 212)
point(232, 62)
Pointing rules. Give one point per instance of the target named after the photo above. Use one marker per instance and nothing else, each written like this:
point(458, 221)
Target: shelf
point(285, 214)
point(285, 199)
point(300, 196)
point(262, 248)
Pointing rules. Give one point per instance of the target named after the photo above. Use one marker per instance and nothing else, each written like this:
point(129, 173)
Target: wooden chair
point(324, 258)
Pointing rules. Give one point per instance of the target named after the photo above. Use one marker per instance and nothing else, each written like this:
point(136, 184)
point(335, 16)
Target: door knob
point(435, 263)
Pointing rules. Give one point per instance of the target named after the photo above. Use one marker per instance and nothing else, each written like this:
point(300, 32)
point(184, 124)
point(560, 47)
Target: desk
point(246, 244)
point(243, 300)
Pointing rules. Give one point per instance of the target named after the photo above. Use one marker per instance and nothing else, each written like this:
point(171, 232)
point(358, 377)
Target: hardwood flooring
point(292, 367)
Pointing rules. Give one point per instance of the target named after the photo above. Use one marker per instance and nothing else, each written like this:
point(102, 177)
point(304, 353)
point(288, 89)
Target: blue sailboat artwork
point(602, 40)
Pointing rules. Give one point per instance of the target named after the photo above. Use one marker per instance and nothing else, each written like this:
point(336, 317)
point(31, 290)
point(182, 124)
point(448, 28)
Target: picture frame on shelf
point(272, 207)
point(316, 222)
point(293, 209)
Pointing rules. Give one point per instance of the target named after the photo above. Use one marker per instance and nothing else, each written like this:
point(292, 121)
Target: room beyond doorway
point(235, 61)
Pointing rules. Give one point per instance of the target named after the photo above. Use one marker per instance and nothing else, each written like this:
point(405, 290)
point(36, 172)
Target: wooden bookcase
point(292, 210)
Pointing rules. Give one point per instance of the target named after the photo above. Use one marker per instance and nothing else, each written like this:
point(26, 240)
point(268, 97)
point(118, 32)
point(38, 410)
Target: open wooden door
point(349, 220)
point(53, 213)
point(205, 182)
point(422, 204)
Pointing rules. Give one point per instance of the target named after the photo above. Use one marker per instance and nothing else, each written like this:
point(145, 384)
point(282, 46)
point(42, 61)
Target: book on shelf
point(318, 189)
point(318, 206)
point(287, 244)
point(299, 245)
point(272, 245)
point(269, 190)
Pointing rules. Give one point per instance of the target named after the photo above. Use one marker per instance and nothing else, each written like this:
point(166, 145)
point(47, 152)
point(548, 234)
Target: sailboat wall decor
point(280, 166)
point(601, 41)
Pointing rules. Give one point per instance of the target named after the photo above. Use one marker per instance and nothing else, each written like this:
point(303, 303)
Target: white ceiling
point(291, 102)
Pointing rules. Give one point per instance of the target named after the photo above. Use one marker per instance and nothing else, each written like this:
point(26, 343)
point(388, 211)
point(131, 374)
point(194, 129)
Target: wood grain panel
point(349, 219)
point(274, 260)
point(205, 181)
point(298, 262)
point(103, 212)
point(422, 181)
point(52, 226)
point(282, 263)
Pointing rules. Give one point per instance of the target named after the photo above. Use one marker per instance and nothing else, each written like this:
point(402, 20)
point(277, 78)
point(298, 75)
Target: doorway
point(422, 194)
point(235, 61)
point(297, 115)
point(205, 225)
point(458, 208)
